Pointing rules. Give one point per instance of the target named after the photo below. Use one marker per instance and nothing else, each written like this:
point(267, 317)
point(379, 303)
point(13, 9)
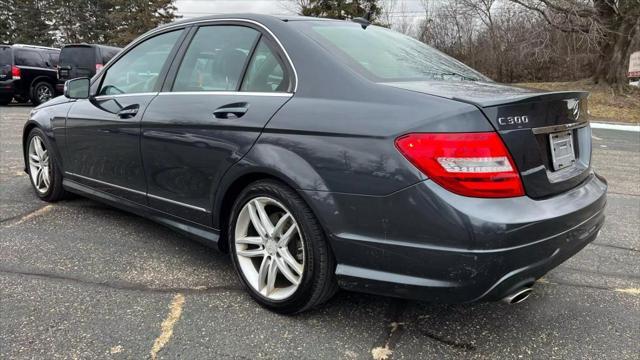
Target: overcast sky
point(193, 8)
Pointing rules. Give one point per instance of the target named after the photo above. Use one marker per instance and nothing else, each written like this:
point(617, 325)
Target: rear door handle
point(128, 112)
point(230, 111)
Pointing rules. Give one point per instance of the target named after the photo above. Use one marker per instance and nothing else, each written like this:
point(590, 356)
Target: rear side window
point(26, 57)
point(265, 72)
point(5, 55)
point(215, 59)
point(138, 70)
point(78, 56)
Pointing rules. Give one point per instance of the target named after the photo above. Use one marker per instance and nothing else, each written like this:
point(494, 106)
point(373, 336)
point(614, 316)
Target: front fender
point(51, 120)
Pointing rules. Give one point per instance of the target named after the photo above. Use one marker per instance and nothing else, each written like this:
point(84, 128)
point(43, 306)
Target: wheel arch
point(41, 78)
point(28, 127)
point(228, 192)
point(239, 178)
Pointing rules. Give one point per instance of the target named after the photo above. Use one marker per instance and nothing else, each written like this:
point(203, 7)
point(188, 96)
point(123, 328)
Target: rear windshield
point(384, 55)
point(79, 56)
point(5, 55)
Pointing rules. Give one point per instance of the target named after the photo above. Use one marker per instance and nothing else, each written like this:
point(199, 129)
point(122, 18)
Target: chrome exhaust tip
point(518, 296)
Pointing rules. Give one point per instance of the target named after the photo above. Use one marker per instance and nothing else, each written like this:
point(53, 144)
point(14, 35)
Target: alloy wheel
point(39, 165)
point(269, 247)
point(44, 93)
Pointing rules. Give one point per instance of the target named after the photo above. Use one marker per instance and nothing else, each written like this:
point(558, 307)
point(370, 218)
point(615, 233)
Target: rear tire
point(295, 253)
point(5, 101)
point(42, 167)
point(42, 92)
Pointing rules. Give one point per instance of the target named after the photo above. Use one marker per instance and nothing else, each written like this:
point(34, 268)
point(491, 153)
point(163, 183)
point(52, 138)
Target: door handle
point(229, 111)
point(128, 111)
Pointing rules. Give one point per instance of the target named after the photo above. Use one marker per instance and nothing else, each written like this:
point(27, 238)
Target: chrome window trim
point(262, 26)
point(234, 93)
point(176, 202)
point(106, 183)
point(115, 96)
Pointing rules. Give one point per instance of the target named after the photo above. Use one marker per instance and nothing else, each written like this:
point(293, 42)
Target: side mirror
point(77, 88)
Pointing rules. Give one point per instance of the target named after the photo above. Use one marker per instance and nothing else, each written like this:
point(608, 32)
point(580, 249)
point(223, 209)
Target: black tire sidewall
point(295, 205)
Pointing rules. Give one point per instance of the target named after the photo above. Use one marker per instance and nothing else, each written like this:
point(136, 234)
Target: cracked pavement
point(79, 279)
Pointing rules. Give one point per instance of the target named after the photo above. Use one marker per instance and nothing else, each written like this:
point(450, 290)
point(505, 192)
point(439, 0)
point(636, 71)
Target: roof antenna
point(364, 21)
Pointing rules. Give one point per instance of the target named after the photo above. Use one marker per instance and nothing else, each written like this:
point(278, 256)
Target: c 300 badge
point(513, 120)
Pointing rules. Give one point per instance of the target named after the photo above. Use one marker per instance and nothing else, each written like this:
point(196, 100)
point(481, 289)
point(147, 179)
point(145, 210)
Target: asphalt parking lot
point(79, 279)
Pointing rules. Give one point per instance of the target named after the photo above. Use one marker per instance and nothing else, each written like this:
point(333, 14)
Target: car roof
point(93, 46)
point(247, 16)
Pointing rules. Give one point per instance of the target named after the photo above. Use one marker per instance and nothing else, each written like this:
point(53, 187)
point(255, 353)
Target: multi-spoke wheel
point(43, 171)
point(42, 92)
point(279, 249)
point(39, 165)
point(269, 248)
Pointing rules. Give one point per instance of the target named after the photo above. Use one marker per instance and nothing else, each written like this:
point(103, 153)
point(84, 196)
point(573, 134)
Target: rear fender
point(269, 161)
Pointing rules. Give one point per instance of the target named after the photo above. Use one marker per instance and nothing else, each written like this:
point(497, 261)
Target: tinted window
point(386, 55)
point(215, 59)
point(108, 54)
point(138, 70)
point(80, 56)
point(265, 72)
point(53, 58)
point(5, 55)
point(26, 57)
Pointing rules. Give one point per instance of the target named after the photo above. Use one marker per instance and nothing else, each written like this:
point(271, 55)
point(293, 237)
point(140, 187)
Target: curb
point(608, 126)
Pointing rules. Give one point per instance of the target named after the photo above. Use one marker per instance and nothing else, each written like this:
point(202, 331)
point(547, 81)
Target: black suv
point(27, 72)
point(82, 60)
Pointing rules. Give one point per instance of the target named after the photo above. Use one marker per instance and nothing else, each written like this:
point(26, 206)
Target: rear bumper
point(428, 244)
point(7, 88)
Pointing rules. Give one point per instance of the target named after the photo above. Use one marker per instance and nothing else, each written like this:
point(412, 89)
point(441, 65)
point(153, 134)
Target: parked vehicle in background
point(82, 60)
point(27, 72)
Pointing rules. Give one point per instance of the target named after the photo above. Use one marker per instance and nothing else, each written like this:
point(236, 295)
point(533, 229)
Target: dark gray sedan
point(323, 154)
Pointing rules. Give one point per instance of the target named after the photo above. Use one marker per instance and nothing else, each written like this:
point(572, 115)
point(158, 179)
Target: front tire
point(42, 92)
point(279, 250)
point(44, 173)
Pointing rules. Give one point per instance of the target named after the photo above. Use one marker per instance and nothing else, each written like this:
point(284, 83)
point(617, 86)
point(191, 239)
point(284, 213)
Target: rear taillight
point(469, 164)
point(15, 72)
point(99, 67)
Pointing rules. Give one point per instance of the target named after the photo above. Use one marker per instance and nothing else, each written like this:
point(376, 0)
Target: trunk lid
point(547, 133)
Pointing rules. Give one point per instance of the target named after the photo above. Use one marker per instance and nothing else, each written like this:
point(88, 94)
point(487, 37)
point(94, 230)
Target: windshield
point(5, 55)
point(385, 55)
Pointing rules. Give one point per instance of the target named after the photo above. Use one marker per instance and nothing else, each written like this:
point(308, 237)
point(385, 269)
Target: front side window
point(385, 55)
point(265, 72)
point(139, 69)
point(215, 59)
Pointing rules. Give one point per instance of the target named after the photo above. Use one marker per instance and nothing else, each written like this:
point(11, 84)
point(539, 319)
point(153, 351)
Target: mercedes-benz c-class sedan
point(327, 154)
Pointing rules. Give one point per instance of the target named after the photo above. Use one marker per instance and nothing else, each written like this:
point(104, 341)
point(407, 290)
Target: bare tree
point(614, 23)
